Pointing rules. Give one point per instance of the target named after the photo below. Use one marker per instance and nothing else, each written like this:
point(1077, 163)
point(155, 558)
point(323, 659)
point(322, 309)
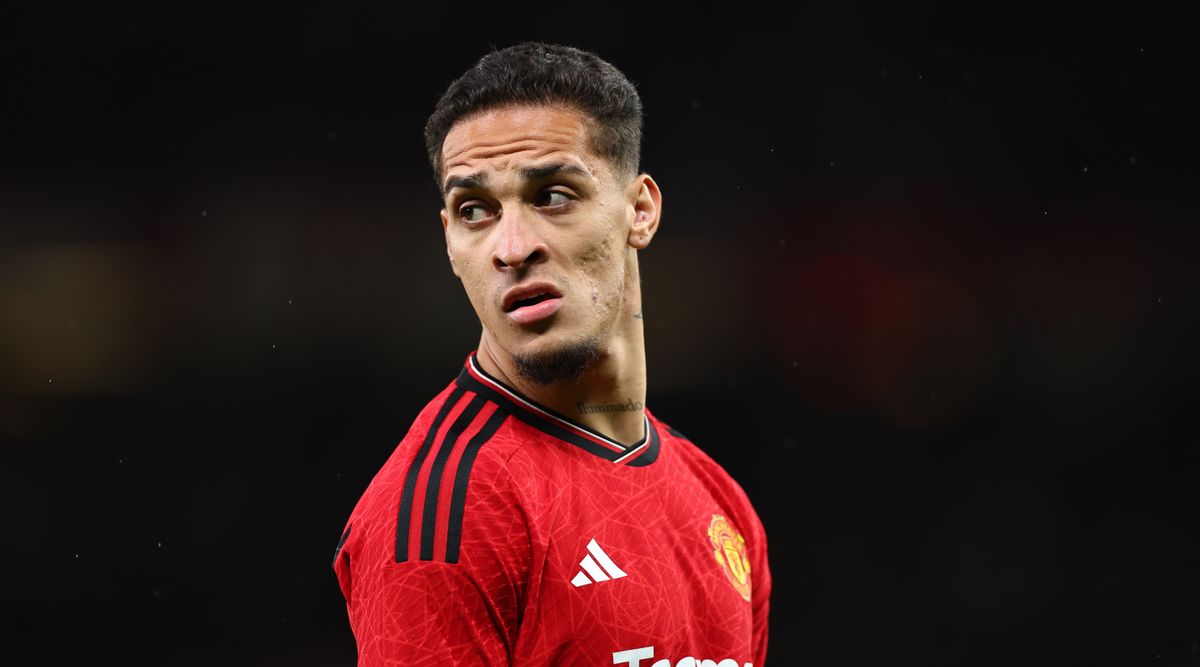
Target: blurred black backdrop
point(925, 285)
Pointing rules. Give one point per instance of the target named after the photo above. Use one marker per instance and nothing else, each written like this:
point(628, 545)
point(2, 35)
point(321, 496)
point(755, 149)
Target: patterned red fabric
point(501, 533)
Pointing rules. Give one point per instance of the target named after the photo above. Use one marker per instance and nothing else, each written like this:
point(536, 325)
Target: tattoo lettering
point(628, 406)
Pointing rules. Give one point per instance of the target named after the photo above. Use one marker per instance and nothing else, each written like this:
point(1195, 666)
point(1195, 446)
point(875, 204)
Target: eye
point(554, 198)
point(473, 213)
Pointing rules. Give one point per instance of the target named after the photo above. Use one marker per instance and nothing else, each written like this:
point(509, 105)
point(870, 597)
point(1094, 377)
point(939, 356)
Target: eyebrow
point(470, 181)
point(479, 178)
point(533, 173)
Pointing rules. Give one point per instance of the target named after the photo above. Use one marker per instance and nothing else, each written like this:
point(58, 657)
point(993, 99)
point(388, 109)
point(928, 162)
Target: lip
point(537, 311)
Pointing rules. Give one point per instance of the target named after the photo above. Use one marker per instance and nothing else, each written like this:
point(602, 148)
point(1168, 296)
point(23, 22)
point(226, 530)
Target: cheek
point(604, 273)
point(473, 283)
point(596, 258)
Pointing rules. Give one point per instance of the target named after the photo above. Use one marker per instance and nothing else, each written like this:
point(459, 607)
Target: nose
point(517, 244)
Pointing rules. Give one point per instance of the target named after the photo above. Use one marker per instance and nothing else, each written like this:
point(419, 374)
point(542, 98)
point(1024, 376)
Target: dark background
point(925, 285)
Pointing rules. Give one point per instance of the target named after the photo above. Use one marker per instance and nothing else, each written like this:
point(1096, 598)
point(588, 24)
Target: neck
point(610, 396)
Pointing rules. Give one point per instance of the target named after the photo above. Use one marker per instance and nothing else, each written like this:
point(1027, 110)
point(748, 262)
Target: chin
point(556, 361)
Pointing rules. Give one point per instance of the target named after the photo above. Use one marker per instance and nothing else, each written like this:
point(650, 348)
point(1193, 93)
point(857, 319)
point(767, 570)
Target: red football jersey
point(502, 533)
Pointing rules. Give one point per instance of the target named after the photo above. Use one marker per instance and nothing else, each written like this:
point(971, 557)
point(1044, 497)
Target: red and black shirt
point(500, 532)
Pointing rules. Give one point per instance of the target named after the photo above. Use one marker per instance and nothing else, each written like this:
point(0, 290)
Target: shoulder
point(447, 478)
point(694, 457)
point(719, 482)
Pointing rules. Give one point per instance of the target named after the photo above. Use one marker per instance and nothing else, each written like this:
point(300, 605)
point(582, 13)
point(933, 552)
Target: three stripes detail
point(437, 470)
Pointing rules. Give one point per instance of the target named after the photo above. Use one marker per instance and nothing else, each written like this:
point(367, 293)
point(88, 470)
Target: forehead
point(511, 137)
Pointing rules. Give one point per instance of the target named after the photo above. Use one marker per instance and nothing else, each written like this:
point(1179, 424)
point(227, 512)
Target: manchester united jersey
point(500, 532)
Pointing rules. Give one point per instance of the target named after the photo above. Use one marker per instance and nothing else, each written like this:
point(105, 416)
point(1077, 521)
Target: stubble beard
point(565, 364)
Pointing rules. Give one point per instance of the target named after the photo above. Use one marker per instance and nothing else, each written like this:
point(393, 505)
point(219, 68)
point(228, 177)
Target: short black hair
point(540, 73)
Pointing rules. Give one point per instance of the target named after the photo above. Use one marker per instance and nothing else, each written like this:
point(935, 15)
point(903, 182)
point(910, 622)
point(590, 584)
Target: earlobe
point(647, 211)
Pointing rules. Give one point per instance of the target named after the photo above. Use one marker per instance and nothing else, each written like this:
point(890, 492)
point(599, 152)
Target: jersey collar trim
point(641, 453)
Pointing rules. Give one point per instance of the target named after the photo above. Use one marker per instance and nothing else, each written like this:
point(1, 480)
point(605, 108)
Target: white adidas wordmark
point(597, 565)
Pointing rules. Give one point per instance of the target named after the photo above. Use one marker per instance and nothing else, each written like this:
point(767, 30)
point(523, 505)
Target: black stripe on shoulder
point(434, 484)
point(458, 499)
point(414, 470)
point(341, 543)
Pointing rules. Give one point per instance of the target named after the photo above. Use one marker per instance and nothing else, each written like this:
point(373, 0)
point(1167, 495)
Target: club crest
point(729, 548)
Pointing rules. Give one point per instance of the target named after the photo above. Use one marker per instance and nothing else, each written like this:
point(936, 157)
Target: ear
point(646, 199)
point(446, 231)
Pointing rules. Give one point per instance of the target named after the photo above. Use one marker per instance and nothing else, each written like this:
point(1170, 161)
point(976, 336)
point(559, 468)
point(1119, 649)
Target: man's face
point(541, 230)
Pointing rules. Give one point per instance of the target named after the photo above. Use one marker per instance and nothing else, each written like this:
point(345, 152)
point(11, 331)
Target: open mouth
point(534, 302)
point(530, 301)
point(529, 295)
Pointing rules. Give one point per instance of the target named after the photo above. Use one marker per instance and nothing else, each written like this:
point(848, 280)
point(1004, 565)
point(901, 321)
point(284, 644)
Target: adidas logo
point(597, 566)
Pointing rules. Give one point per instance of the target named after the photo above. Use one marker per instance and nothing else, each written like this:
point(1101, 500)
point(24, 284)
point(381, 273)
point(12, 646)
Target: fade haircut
point(538, 73)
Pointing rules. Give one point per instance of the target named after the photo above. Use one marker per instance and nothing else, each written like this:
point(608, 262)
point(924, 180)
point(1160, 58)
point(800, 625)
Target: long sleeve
point(420, 590)
point(428, 614)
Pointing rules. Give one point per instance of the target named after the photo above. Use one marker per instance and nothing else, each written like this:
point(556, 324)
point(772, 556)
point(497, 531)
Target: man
point(537, 513)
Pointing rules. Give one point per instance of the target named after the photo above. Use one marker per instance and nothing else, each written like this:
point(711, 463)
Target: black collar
point(641, 453)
